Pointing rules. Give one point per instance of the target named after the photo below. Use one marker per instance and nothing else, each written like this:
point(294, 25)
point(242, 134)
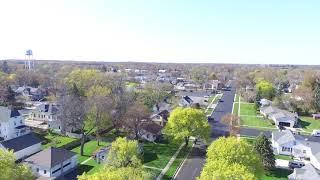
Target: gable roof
point(307, 172)
point(21, 142)
point(50, 157)
point(151, 127)
point(283, 137)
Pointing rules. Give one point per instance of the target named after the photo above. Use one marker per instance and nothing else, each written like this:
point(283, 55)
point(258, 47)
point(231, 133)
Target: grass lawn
point(54, 140)
point(256, 121)
point(88, 149)
point(211, 98)
point(247, 110)
point(284, 157)
point(218, 97)
point(158, 154)
point(153, 172)
point(235, 108)
point(176, 163)
point(308, 123)
point(277, 174)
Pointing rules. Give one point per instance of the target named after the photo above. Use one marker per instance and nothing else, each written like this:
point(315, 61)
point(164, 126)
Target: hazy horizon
point(205, 31)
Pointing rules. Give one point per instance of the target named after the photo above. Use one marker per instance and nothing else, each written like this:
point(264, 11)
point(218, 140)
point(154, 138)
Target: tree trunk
point(82, 143)
point(186, 141)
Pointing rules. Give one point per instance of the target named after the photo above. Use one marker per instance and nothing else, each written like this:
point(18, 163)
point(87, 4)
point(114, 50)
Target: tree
point(155, 93)
point(233, 122)
point(186, 122)
point(235, 151)
point(73, 114)
point(124, 153)
point(317, 96)
point(100, 107)
point(264, 148)
point(113, 173)
point(266, 89)
point(10, 170)
point(5, 68)
point(223, 171)
point(212, 76)
point(257, 99)
point(133, 118)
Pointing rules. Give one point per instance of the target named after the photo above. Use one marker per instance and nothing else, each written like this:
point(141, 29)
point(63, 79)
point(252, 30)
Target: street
point(193, 165)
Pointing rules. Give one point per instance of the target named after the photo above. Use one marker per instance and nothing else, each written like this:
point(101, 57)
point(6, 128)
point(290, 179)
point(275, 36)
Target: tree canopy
point(10, 170)
point(227, 154)
point(186, 122)
point(264, 148)
point(266, 89)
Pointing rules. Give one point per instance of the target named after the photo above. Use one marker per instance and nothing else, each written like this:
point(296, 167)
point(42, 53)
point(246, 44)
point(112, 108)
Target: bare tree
point(135, 116)
point(233, 122)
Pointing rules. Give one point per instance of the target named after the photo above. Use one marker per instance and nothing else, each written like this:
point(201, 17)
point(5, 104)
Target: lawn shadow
point(149, 156)
point(76, 172)
point(303, 123)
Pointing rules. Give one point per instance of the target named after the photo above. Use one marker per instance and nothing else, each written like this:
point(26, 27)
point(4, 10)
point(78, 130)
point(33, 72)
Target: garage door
point(284, 124)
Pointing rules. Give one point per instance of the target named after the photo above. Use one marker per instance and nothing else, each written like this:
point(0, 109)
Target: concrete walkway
point(164, 170)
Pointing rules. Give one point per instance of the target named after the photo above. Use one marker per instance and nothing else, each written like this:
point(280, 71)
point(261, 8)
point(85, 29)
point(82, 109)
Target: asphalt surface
point(193, 165)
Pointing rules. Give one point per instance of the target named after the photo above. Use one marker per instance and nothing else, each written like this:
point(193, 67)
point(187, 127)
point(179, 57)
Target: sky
point(182, 31)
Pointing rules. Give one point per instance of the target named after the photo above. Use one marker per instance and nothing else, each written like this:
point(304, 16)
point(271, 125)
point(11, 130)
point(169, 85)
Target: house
point(15, 135)
point(307, 172)
point(287, 143)
point(185, 101)
point(213, 85)
point(265, 102)
point(22, 146)
point(150, 131)
point(161, 107)
point(52, 162)
point(160, 118)
point(280, 117)
point(316, 116)
point(101, 154)
point(46, 114)
point(11, 124)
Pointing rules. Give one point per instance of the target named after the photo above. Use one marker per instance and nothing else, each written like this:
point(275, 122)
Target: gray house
point(52, 162)
point(307, 172)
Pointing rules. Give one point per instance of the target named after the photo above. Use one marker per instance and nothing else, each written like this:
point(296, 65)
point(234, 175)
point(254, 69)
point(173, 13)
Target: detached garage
point(52, 162)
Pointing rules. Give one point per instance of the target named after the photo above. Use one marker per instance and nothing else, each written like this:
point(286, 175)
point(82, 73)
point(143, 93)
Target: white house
point(287, 143)
point(15, 135)
point(307, 172)
point(45, 112)
point(160, 118)
point(279, 116)
point(265, 102)
point(52, 162)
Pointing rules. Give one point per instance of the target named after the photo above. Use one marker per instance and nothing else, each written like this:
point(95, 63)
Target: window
point(44, 171)
point(14, 123)
point(59, 127)
point(37, 169)
point(304, 151)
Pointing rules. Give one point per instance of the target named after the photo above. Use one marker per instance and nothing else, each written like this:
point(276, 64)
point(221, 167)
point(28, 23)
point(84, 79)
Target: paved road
point(195, 161)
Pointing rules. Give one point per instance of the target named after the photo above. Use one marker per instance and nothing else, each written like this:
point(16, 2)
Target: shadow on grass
point(303, 123)
point(77, 172)
point(279, 173)
point(149, 156)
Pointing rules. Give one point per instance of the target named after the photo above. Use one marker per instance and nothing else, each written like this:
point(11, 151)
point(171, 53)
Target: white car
point(316, 133)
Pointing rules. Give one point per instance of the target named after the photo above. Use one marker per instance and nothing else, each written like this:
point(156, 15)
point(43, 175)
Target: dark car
point(296, 164)
point(210, 118)
point(220, 100)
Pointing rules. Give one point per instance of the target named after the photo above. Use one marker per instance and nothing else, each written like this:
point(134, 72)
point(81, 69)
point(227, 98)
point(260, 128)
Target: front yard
point(277, 174)
point(250, 118)
point(308, 124)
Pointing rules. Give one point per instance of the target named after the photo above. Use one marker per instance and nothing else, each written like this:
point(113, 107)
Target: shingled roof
point(21, 142)
point(50, 157)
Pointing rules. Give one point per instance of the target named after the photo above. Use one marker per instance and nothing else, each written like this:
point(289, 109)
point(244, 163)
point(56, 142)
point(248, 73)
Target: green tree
point(113, 173)
point(235, 151)
point(317, 95)
point(221, 170)
point(186, 122)
point(124, 153)
point(266, 89)
point(264, 148)
point(10, 170)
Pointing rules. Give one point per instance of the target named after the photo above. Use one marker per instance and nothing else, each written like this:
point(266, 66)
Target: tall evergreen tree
point(264, 148)
point(317, 96)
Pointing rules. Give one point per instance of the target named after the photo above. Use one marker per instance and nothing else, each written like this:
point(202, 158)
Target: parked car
point(296, 164)
point(316, 133)
point(210, 118)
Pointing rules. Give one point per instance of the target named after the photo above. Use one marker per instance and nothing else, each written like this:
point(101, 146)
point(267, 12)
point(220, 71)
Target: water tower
point(29, 61)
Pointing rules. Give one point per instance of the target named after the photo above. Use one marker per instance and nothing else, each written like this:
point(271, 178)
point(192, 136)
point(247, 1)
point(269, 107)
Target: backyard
point(54, 140)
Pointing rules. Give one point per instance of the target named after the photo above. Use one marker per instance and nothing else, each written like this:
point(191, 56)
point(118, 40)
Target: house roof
point(50, 157)
point(21, 142)
point(283, 137)
point(6, 113)
point(151, 127)
point(188, 99)
point(307, 172)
